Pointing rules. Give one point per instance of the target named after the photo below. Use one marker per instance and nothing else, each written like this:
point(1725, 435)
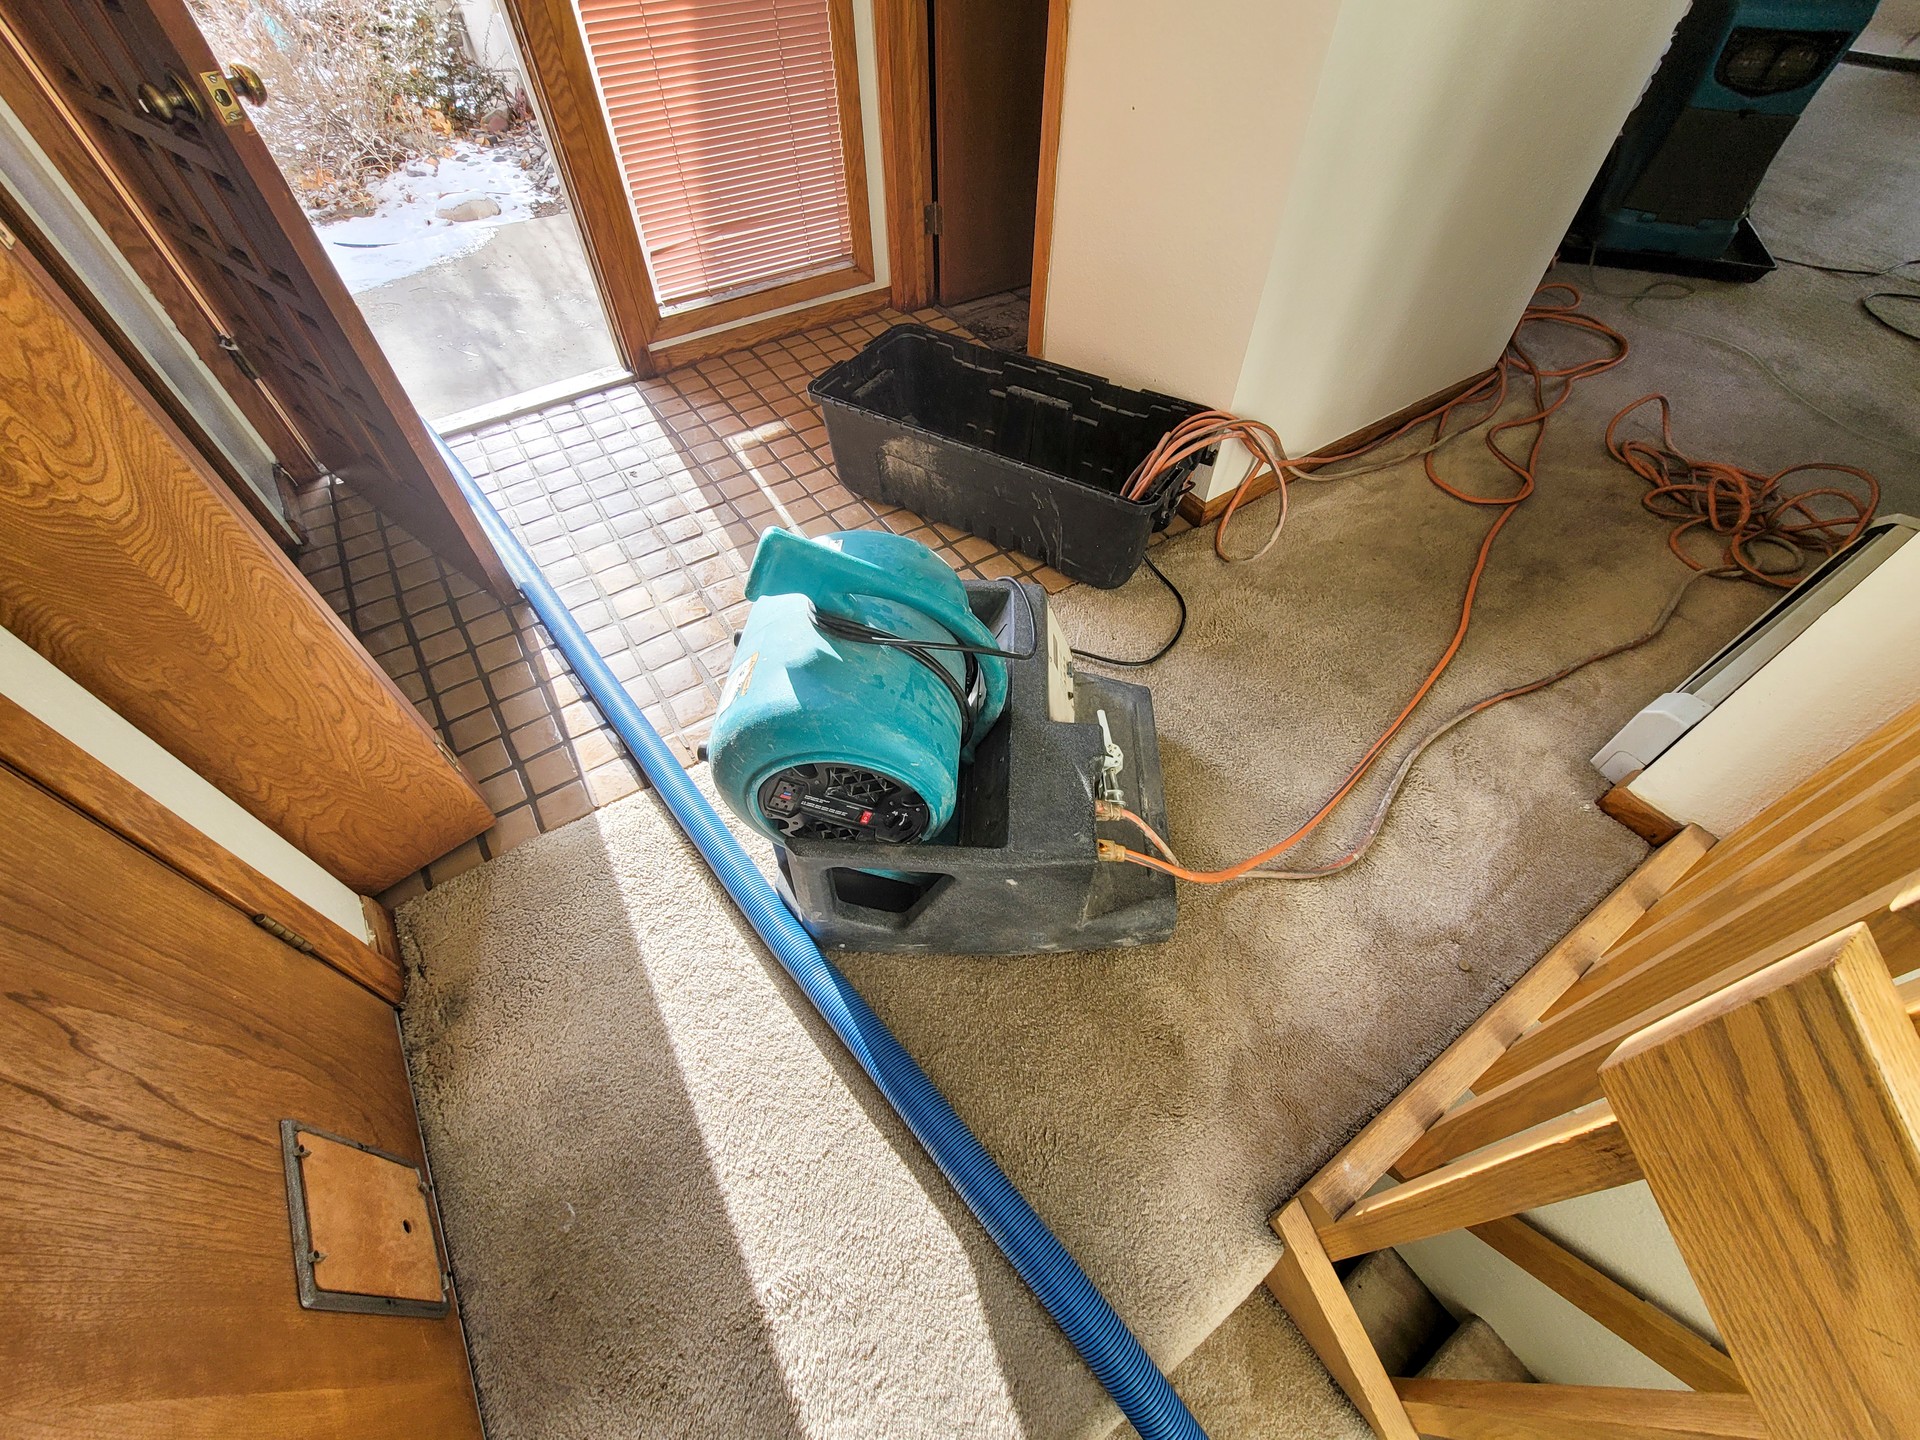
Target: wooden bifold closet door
point(152, 1039)
point(125, 562)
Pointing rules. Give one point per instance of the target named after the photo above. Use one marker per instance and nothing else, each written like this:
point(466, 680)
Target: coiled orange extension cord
point(1743, 505)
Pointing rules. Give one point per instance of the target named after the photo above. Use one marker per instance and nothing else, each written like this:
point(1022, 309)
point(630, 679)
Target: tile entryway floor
point(643, 504)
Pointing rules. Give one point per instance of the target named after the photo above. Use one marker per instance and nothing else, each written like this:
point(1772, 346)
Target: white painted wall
point(1620, 1232)
point(1449, 146)
point(1180, 126)
point(1850, 672)
point(1318, 213)
point(44, 691)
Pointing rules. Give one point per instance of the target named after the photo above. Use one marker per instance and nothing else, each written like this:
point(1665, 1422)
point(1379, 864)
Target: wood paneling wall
point(124, 562)
point(151, 1041)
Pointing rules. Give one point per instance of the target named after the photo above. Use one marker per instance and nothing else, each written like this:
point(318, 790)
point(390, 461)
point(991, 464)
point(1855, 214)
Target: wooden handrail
point(1573, 1078)
point(1830, 852)
point(1783, 826)
point(1574, 1155)
point(1495, 1410)
point(1778, 1123)
point(1767, 1073)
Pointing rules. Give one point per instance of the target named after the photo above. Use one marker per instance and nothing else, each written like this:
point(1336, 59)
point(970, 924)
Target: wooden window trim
point(46, 758)
point(770, 327)
point(737, 308)
point(560, 72)
point(853, 134)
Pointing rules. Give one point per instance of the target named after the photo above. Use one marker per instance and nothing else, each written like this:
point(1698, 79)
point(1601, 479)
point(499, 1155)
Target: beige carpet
point(675, 1208)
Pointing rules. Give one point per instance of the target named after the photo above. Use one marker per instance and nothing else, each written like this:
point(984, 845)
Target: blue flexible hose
point(1102, 1337)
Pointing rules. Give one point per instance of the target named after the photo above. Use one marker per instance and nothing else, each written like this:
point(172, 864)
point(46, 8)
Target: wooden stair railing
point(1779, 1125)
point(1803, 916)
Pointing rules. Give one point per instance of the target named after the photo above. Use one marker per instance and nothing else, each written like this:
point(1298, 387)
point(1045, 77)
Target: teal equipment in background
point(1675, 190)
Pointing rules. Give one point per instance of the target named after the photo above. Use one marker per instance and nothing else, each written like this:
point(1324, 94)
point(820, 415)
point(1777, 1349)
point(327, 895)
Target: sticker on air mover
point(738, 681)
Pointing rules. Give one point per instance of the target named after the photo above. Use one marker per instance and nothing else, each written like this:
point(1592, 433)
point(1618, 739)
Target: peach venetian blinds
point(726, 119)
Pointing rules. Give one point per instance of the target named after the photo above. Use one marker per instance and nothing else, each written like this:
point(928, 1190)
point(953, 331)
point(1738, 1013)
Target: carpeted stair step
point(1400, 1315)
point(1255, 1379)
point(1475, 1351)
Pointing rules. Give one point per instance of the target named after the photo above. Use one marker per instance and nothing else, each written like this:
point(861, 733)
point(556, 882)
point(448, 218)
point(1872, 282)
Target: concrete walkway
point(519, 313)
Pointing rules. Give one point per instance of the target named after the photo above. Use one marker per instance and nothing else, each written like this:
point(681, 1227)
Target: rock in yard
point(472, 206)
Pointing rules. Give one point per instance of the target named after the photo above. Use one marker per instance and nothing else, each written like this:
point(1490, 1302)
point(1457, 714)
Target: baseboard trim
point(1199, 512)
point(1637, 815)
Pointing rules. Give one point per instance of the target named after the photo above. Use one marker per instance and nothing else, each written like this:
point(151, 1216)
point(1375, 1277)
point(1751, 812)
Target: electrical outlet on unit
point(1059, 671)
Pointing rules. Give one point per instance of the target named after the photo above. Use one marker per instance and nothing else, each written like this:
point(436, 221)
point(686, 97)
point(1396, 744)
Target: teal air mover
point(826, 733)
point(927, 761)
point(1674, 192)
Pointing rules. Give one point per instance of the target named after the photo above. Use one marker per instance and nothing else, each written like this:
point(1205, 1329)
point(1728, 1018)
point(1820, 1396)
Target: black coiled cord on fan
point(968, 696)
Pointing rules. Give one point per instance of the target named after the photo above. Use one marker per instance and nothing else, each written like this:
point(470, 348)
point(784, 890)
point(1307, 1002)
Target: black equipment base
point(1022, 876)
point(1745, 260)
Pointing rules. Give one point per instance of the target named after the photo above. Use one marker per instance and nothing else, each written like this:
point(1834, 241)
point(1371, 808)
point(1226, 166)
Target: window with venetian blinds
point(728, 126)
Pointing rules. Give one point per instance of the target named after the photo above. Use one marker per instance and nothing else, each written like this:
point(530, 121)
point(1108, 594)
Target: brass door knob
point(176, 101)
point(246, 83)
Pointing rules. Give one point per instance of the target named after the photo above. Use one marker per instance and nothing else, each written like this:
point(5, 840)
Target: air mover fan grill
point(842, 802)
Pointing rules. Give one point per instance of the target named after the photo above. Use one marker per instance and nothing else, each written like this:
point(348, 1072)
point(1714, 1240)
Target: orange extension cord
point(1746, 507)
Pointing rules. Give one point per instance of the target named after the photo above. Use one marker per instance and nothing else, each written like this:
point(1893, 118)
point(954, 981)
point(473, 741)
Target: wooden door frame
point(901, 43)
point(559, 67)
point(906, 150)
point(1051, 102)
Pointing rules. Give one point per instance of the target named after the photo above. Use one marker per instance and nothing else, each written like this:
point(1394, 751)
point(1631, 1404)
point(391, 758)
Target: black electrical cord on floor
point(1845, 269)
point(1179, 628)
point(1909, 296)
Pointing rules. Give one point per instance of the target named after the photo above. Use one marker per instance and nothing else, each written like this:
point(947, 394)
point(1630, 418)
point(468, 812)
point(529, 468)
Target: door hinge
point(285, 936)
point(933, 218)
point(232, 347)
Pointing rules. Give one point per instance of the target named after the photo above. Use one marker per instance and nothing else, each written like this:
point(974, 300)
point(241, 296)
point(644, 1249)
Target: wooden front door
point(222, 202)
point(152, 1039)
point(989, 64)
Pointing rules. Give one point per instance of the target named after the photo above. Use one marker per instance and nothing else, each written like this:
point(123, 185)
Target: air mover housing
point(1677, 186)
point(825, 738)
